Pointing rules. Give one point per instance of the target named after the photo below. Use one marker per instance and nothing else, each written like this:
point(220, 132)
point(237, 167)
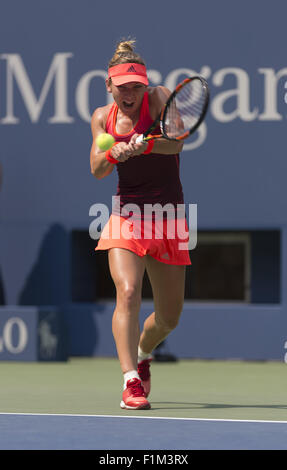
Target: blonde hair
point(124, 53)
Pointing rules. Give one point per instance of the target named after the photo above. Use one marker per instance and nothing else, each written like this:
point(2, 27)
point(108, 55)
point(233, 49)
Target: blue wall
point(53, 59)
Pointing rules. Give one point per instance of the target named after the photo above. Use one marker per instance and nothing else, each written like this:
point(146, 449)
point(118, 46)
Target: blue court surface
point(94, 432)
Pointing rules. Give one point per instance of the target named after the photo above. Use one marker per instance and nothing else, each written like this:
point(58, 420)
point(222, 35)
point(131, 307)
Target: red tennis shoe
point(134, 396)
point(144, 373)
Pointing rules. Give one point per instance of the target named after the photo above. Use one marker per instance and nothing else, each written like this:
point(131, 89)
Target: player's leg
point(168, 282)
point(127, 270)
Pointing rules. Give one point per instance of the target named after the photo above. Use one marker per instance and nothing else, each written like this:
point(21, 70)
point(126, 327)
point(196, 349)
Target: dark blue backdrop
point(53, 59)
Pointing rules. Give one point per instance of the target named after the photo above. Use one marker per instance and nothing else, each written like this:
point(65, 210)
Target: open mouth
point(128, 104)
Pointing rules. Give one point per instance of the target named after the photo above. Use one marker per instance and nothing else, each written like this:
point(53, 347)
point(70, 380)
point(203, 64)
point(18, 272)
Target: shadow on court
point(173, 405)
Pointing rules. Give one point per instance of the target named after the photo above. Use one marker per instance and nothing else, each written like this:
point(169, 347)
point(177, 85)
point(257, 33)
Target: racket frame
point(161, 118)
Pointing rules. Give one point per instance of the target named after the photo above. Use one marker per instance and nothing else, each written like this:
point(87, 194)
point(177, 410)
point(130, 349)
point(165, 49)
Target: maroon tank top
point(145, 179)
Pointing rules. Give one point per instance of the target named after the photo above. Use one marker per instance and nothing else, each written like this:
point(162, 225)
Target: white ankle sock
point(131, 374)
point(142, 355)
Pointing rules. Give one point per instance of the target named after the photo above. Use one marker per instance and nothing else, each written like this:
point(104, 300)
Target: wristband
point(149, 148)
point(109, 156)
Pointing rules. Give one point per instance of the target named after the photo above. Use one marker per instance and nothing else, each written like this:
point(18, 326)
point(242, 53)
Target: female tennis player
point(148, 175)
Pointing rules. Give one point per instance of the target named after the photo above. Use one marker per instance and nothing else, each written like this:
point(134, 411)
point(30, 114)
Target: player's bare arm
point(100, 166)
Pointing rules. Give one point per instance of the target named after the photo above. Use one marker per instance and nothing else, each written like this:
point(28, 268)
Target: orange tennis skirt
point(165, 240)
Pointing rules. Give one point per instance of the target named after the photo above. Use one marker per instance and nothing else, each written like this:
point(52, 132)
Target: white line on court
point(145, 417)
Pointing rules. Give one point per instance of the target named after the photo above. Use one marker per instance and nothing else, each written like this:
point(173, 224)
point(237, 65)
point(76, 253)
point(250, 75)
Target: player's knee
point(168, 323)
point(129, 293)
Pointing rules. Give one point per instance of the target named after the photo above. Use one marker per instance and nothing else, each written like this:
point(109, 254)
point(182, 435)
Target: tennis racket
point(183, 112)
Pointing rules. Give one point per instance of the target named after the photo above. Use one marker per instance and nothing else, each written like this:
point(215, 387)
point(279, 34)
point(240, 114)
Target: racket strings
point(185, 110)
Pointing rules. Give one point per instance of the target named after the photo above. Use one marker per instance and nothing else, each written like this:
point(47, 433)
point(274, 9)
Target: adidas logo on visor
point(132, 69)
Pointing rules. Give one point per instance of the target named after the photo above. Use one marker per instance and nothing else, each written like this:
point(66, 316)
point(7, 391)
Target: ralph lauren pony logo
point(131, 69)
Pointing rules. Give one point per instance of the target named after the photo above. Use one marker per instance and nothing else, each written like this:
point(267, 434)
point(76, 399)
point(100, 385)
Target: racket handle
point(140, 139)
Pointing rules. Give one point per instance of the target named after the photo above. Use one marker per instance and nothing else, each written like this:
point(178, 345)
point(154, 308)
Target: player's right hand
point(121, 152)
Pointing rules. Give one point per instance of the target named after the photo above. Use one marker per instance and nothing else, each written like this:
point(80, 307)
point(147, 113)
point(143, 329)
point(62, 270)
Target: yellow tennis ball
point(105, 141)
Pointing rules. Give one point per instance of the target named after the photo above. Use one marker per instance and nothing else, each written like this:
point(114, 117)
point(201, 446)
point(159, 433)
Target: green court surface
point(185, 389)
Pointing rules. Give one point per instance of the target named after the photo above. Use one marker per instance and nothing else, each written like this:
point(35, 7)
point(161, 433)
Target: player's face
point(128, 96)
